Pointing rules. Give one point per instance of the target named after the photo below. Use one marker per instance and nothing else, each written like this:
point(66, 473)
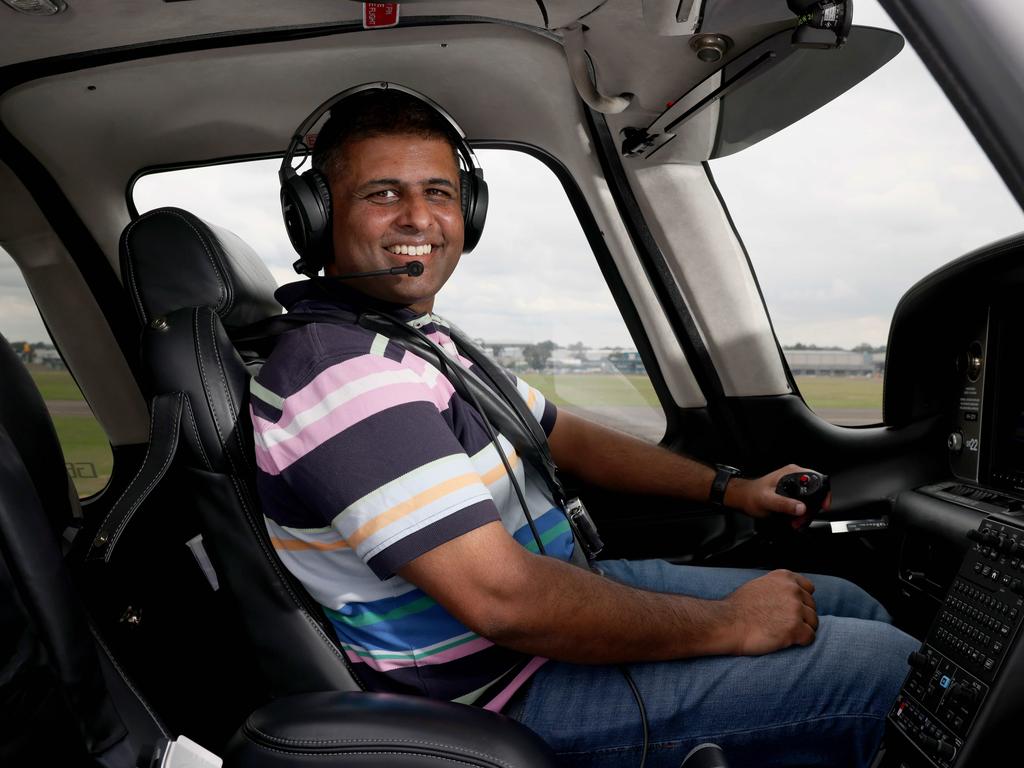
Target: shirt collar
point(324, 294)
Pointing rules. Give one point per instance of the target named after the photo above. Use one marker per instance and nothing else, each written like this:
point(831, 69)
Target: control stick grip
point(812, 488)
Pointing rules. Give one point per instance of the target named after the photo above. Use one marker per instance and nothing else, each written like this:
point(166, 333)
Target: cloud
point(19, 319)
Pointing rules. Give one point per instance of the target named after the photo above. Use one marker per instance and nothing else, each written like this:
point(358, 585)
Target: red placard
point(377, 15)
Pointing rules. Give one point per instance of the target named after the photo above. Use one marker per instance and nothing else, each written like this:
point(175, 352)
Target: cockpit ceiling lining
point(499, 82)
point(101, 24)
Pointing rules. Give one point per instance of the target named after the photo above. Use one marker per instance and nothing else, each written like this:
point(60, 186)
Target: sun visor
point(756, 94)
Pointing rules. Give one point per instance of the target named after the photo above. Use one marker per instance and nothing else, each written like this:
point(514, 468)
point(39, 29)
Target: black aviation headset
point(306, 198)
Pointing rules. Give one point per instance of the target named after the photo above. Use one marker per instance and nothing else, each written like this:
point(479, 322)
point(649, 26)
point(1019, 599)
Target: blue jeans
point(820, 705)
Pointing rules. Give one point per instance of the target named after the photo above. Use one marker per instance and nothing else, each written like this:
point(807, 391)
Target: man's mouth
point(410, 250)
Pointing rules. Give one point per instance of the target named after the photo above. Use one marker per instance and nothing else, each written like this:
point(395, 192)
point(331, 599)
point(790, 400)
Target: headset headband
point(299, 137)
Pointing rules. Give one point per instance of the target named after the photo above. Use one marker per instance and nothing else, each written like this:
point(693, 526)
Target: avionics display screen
point(1007, 456)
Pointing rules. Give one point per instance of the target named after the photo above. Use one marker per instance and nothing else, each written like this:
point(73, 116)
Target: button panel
point(961, 657)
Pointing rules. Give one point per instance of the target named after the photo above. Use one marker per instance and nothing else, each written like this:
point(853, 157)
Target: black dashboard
point(956, 353)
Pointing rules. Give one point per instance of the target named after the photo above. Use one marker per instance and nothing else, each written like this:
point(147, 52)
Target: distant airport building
point(834, 362)
point(38, 354)
point(517, 355)
point(577, 358)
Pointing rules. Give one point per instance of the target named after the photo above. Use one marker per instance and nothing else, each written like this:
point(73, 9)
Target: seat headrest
point(171, 259)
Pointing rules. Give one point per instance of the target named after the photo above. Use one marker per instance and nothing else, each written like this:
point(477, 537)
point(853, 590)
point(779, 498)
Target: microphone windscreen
point(415, 268)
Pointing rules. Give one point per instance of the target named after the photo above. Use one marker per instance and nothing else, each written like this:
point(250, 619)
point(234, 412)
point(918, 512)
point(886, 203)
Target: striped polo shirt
point(367, 458)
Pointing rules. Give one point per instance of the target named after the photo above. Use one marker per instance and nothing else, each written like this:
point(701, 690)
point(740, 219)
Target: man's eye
point(438, 192)
point(384, 194)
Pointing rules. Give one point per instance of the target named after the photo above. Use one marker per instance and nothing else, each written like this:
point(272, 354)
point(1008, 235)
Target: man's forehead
point(398, 151)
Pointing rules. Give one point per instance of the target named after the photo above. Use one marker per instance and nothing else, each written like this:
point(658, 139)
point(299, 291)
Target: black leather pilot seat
point(63, 698)
point(193, 284)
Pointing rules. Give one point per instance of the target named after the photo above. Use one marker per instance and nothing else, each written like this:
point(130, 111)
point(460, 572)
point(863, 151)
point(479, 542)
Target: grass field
point(85, 445)
point(859, 392)
point(86, 452)
point(55, 385)
point(597, 389)
point(594, 389)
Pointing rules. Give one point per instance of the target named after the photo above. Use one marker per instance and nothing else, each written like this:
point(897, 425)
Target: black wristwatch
point(724, 473)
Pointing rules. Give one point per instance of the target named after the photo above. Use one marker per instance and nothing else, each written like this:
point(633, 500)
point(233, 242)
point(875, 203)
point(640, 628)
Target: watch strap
point(723, 474)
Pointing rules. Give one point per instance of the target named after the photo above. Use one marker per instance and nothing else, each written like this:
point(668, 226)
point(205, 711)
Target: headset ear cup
point(306, 205)
point(474, 208)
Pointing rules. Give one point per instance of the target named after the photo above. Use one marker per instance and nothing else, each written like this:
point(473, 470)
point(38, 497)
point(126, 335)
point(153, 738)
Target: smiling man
point(385, 495)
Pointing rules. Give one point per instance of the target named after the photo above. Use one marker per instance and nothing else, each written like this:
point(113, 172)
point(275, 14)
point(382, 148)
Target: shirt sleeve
point(368, 446)
point(542, 409)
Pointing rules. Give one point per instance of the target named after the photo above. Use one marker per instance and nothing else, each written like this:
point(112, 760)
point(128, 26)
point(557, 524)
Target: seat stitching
point(153, 481)
point(227, 393)
point(273, 561)
point(243, 500)
point(374, 753)
point(195, 431)
point(149, 447)
point(311, 742)
point(126, 680)
point(129, 267)
point(206, 249)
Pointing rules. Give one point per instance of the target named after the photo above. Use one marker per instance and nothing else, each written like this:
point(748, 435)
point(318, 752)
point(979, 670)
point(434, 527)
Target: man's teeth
point(411, 250)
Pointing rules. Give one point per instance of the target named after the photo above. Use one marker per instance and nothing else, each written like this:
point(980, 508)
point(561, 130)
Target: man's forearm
point(617, 461)
point(590, 619)
point(541, 605)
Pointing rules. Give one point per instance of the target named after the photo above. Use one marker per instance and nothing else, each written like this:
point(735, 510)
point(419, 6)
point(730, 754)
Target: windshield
point(842, 212)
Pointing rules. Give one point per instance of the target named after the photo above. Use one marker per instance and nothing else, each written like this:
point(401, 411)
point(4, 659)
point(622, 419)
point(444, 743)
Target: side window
point(845, 210)
point(531, 291)
point(86, 449)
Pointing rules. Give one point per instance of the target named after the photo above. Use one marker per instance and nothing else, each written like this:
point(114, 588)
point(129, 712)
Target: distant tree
point(577, 349)
point(865, 347)
point(537, 355)
point(801, 346)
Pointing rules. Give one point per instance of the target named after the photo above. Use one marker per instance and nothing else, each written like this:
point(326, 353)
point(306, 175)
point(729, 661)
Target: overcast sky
point(841, 213)
point(844, 211)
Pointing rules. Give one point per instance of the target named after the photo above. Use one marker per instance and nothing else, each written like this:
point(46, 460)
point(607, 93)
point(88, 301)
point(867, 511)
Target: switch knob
point(921, 661)
point(955, 441)
point(963, 694)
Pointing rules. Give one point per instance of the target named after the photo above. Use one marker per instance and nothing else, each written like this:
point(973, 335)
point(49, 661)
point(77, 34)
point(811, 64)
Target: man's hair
point(377, 113)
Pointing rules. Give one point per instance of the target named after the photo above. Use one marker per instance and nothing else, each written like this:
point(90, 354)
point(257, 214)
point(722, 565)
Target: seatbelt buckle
point(182, 752)
point(583, 526)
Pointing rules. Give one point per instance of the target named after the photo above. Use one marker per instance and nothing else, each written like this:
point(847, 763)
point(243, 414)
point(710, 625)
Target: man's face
point(396, 200)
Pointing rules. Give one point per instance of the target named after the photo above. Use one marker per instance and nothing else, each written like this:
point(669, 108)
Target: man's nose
point(415, 213)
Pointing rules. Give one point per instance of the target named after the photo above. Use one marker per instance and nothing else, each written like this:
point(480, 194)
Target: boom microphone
point(413, 269)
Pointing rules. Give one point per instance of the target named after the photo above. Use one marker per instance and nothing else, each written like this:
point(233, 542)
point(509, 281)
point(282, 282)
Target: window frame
point(584, 215)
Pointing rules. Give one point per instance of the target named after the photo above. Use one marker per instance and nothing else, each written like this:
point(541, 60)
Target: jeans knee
point(871, 657)
point(840, 597)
